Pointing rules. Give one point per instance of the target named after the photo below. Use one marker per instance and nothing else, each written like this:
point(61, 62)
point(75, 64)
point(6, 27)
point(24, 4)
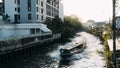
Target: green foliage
point(91, 21)
point(107, 52)
point(72, 22)
point(71, 26)
point(67, 28)
point(106, 36)
point(5, 17)
point(56, 24)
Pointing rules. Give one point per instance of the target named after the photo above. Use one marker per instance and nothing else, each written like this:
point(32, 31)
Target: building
point(32, 11)
point(1, 10)
point(118, 23)
point(23, 23)
point(25, 18)
point(61, 13)
point(16, 31)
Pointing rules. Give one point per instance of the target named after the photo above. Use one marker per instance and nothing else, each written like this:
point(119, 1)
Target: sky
point(98, 10)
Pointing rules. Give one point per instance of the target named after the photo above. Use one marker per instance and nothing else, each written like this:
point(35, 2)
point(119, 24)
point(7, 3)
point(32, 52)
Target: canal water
point(47, 56)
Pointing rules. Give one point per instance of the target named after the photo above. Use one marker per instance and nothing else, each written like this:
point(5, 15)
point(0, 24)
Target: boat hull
point(70, 54)
point(64, 53)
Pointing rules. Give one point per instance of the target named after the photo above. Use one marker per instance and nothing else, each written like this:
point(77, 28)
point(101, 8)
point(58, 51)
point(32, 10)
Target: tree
point(56, 24)
point(90, 21)
point(6, 17)
point(73, 22)
point(71, 26)
point(67, 28)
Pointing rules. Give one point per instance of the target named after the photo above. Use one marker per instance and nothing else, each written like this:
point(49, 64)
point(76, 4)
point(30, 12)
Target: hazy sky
point(98, 10)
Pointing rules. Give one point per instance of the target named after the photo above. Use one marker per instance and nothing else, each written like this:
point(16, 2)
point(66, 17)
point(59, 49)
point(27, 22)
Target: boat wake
point(88, 58)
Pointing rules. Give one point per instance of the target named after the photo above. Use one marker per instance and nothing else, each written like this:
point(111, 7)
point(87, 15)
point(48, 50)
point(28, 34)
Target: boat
point(72, 49)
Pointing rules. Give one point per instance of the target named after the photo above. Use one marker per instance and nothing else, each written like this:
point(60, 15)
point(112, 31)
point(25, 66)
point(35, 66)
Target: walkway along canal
point(47, 55)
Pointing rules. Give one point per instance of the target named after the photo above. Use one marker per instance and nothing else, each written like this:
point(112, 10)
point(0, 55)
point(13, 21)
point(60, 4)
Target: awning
point(45, 29)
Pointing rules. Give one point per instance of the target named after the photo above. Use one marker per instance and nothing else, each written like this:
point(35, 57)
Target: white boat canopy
point(72, 45)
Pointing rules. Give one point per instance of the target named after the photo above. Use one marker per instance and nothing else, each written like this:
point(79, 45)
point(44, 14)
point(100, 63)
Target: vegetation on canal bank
point(104, 35)
point(107, 52)
point(67, 28)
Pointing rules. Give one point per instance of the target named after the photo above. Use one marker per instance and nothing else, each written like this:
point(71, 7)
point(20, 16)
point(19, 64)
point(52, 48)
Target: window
point(42, 11)
point(32, 31)
point(37, 16)
point(18, 1)
point(42, 4)
point(52, 14)
point(18, 17)
point(29, 16)
point(48, 7)
point(48, 1)
point(41, 17)
point(29, 5)
point(48, 13)
point(37, 1)
point(15, 1)
point(29, 1)
point(15, 9)
point(18, 9)
point(52, 3)
point(37, 31)
point(37, 9)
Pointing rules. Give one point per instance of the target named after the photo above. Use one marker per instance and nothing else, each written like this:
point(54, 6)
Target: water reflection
point(64, 62)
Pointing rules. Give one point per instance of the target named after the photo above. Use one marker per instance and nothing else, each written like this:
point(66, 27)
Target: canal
point(47, 56)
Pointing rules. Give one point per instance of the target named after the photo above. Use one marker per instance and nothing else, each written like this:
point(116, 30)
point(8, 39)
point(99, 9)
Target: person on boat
point(61, 50)
point(81, 45)
point(76, 43)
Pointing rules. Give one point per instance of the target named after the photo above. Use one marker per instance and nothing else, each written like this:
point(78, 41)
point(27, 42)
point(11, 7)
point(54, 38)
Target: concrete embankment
point(7, 46)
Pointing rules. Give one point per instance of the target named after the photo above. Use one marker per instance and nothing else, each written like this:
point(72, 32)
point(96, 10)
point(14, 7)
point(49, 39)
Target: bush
point(107, 52)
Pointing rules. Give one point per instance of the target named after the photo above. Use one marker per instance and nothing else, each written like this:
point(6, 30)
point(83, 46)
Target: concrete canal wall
point(11, 45)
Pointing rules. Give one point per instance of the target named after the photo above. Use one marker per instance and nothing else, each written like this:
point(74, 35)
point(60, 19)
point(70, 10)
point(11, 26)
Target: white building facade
point(61, 13)
point(32, 11)
point(8, 31)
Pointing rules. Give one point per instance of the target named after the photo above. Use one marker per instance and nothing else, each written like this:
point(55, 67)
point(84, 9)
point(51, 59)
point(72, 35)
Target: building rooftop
point(99, 23)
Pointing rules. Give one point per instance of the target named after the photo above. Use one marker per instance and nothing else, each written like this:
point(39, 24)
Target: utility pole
point(114, 34)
